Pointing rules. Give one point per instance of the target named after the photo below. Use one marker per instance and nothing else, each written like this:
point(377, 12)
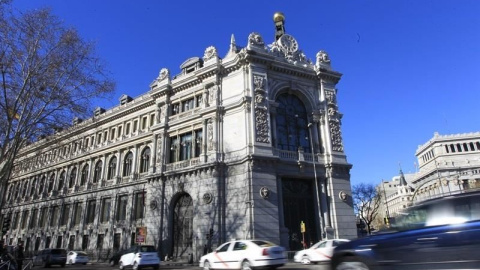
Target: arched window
point(112, 168)
point(42, 185)
point(61, 180)
point(145, 160)
point(73, 177)
point(17, 190)
point(24, 189)
point(84, 176)
point(292, 124)
point(33, 186)
point(97, 175)
point(51, 182)
point(127, 164)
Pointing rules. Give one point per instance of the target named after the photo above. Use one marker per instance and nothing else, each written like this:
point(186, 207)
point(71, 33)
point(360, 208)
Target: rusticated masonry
point(334, 119)
point(261, 111)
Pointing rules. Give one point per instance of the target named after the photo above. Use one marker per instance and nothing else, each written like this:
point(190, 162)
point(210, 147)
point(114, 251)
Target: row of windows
point(131, 127)
point(56, 215)
point(182, 147)
point(462, 147)
point(186, 105)
point(37, 185)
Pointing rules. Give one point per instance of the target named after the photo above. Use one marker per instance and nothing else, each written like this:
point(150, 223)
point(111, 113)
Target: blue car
point(442, 233)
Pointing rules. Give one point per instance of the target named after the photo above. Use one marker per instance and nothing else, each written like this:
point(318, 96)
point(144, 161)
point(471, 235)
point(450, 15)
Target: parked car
point(77, 257)
point(244, 254)
point(116, 257)
point(138, 257)
point(441, 233)
point(51, 256)
point(320, 252)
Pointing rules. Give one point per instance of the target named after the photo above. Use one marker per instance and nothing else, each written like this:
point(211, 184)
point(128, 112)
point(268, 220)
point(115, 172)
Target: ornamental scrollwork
point(164, 73)
point(210, 52)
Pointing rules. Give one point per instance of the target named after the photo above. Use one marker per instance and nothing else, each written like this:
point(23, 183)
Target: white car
point(320, 252)
point(77, 257)
point(139, 257)
point(245, 255)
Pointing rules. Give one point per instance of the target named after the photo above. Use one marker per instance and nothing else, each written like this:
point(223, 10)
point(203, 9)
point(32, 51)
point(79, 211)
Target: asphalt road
point(166, 265)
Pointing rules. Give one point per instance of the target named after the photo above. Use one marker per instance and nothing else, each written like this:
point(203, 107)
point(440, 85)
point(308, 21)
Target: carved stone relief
point(255, 39)
point(210, 53)
point(159, 149)
point(334, 121)
point(210, 135)
point(262, 126)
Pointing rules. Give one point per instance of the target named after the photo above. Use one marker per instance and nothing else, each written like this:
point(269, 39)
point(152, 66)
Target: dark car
point(116, 257)
point(436, 234)
point(51, 256)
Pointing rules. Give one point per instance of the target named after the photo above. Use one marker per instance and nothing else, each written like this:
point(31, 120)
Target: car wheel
point(206, 265)
point(351, 263)
point(135, 266)
point(305, 260)
point(45, 264)
point(121, 266)
point(70, 261)
point(111, 263)
point(246, 265)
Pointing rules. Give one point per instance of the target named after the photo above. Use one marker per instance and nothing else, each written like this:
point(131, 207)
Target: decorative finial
point(279, 20)
point(233, 45)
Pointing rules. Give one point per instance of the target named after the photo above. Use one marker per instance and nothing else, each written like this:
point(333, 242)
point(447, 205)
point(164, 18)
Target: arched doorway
point(182, 227)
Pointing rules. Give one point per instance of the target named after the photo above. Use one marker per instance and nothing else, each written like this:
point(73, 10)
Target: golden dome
point(278, 17)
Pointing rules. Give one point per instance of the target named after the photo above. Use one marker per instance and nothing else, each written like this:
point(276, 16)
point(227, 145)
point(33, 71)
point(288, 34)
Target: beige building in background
point(447, 164)
point(244, 146)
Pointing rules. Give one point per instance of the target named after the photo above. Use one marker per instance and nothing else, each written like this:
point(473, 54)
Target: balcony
point(183, 164)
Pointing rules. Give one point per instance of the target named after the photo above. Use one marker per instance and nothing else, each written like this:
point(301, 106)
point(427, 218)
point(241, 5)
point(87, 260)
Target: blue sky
point(410, 67)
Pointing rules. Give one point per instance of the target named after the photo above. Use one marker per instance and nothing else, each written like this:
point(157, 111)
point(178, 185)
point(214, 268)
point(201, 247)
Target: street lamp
point(316, 182)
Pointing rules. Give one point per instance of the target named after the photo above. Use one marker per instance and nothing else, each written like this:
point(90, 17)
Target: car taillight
point(265, 252)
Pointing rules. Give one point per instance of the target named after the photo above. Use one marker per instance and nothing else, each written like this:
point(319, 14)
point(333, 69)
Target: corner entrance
point(298, 206)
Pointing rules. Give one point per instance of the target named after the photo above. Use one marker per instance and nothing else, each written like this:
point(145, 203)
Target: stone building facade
point(447, 164)
point(244, 146)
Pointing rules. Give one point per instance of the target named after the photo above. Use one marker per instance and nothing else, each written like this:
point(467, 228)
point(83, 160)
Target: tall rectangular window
point(91, 211)
point(135, 125)
point(65, 214)
point(43, 217)
point(105, 214)
point(100, 238)
point(144, 123)
point(198, 142)
point(33, 219)
point(139, 205)
point(25, 219)
point(78, 213)
point(122, 207)
point(127, 129)
point(55, 216)
point(15, 222)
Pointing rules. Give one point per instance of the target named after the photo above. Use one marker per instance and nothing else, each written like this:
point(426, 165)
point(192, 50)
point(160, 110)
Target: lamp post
point(322, 227)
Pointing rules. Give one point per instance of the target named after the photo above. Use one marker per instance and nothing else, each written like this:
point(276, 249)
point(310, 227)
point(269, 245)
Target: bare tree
point(366, 203)
point(48, 76)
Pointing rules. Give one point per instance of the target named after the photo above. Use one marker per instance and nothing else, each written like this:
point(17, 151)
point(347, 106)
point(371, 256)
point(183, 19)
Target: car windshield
point(263, 243)
point(59, 251)
point(147, 249)
point(81, 253)
point(438, 213)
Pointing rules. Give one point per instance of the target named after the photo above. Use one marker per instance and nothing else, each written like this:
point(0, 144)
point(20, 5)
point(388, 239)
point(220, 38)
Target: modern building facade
point(447, 164)
point(244, 146)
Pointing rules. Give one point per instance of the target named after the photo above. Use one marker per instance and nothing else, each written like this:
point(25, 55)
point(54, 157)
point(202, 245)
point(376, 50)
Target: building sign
point(141, 235)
